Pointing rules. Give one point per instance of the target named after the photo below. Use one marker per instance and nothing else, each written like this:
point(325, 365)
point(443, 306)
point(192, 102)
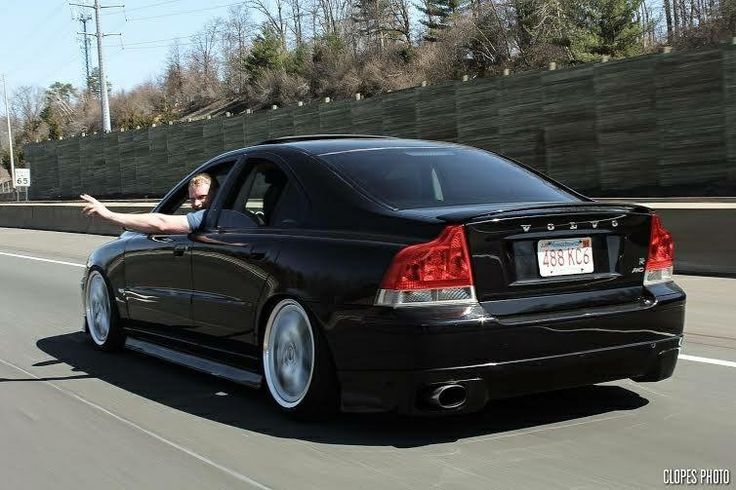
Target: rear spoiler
point(546, 208)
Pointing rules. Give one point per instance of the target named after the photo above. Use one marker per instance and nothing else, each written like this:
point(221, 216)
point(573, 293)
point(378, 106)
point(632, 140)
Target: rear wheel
point(296, 363)
point(101, 315)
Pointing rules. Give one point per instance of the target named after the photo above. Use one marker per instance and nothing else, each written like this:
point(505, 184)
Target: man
point(201, 193)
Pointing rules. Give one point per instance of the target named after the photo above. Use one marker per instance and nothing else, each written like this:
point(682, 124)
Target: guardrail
point(702, 230)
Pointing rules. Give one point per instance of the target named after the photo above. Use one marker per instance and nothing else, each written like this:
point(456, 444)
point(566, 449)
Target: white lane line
point(132, 424)
point(707, 360)
point(18, 256)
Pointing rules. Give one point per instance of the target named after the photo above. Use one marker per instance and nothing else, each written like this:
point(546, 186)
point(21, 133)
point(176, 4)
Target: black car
point(381, 274)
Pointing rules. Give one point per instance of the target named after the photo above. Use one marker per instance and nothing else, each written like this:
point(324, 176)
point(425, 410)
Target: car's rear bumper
point(410, 391)
point(388, 360)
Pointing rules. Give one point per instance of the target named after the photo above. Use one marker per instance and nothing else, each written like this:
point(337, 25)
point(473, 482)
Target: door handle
point(179, 250)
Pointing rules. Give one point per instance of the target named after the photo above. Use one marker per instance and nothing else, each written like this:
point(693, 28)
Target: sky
point(40, 44)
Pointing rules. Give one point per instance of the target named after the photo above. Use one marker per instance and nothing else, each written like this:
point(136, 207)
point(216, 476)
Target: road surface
point(75, 418)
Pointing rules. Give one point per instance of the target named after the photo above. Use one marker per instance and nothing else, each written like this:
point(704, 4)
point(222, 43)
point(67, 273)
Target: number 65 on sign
point(22, 177)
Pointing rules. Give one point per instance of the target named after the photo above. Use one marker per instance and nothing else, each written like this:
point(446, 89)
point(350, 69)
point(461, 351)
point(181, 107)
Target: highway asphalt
point(75, 418)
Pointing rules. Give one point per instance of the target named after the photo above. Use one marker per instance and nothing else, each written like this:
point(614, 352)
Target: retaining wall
point(658, 125)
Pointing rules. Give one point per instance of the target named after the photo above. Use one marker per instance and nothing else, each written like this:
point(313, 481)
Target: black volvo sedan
point(380, 274)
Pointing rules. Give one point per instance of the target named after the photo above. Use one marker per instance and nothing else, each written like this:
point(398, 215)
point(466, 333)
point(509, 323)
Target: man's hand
point(94, 207)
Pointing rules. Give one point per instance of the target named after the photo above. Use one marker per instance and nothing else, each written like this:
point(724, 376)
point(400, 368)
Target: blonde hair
point(200, 179)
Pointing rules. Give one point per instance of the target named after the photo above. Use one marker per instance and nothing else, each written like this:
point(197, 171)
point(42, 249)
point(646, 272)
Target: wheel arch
point(264, 312)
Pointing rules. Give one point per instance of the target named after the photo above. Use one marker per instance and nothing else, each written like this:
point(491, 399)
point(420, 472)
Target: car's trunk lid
point(515, 254)
point(504, 242)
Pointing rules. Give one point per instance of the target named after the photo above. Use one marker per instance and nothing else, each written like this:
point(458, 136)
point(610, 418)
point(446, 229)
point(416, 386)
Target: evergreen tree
point(267, 52)
point(605, 27)
point(438, 16)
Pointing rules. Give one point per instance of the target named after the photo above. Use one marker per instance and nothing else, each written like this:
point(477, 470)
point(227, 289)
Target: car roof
point(329, 145)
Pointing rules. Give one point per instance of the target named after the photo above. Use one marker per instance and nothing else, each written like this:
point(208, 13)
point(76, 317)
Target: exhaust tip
point(448, 396)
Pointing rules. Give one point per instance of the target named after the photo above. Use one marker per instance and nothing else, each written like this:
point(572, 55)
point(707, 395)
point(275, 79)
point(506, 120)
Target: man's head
point(201, 191)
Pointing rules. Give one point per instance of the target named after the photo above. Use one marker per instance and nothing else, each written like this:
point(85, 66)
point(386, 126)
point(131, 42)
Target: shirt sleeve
point(195, 219)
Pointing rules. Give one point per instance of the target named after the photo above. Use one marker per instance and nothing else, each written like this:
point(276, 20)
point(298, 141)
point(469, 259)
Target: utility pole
point(10, 133)
point(101, 66)
point(84, 19)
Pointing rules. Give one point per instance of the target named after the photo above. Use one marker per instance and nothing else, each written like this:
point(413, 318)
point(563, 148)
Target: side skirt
point(231, 373)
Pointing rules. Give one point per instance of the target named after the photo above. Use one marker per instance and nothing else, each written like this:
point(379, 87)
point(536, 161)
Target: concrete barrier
point(705, 239)
point(703, 231)
point(65, 217)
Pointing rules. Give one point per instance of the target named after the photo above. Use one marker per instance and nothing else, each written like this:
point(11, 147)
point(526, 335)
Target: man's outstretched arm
point(144, 223)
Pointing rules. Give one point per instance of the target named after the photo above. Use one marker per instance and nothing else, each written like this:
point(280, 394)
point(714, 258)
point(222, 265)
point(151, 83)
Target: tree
point(235, 45)
point(27, 105)
point(668, 17)
point(605, 27)
point(275, 19)
point(204, 62)
point(267, 52)
point(439, 16)
point(173, 77)
point(93, 82)
point(60, 108)
point(372, 18)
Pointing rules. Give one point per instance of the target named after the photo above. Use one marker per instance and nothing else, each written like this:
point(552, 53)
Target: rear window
point(435, 177)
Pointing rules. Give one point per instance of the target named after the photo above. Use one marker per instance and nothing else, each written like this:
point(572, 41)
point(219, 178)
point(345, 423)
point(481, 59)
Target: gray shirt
point(195, 219)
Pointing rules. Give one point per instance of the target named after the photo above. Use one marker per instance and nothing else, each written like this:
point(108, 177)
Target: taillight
point(661, 254)
point(436, 272)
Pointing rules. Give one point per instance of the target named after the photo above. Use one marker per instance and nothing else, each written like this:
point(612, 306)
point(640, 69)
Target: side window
point(264, 196)
point(182, 203)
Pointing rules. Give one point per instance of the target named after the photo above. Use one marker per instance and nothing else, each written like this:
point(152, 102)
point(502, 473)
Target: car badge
point(550, 226)
point(594, 223)
point(614, 223)
point(526, 227)
point(573, 226)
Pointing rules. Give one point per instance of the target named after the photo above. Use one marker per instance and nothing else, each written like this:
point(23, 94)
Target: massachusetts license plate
point(565, 256)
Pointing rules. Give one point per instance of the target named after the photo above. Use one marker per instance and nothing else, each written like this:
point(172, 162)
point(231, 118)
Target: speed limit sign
point(22, 177)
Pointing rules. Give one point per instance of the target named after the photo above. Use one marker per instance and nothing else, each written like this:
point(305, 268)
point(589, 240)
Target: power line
point(124, 48)
point(184, 12)
point(147, 6)
point(158, 41)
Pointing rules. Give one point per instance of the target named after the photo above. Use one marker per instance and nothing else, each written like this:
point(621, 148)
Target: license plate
point(565, 256)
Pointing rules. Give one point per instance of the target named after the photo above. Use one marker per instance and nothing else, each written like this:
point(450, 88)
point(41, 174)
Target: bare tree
point(401, 13)
point(173, 78)
point(297, 12)
point(236, 37)
point(333, 16)
point(274, 14)
point(668, 16)
point(27, 103)
point(203, 60)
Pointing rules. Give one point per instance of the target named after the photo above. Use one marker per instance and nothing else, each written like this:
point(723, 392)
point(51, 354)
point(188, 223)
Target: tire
point(101, 314)
point(297, 365)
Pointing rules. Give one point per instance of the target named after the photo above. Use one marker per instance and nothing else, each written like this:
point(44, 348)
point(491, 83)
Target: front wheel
point(296, 363)
point(103, 324)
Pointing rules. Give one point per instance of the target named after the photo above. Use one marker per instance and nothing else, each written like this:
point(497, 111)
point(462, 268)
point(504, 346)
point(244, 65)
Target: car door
point(158, 270)
point(236, 256)
point(158, 276)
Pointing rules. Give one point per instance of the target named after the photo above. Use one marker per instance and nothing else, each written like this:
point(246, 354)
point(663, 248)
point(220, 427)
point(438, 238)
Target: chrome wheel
point(288, 353)
point(97, 308)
